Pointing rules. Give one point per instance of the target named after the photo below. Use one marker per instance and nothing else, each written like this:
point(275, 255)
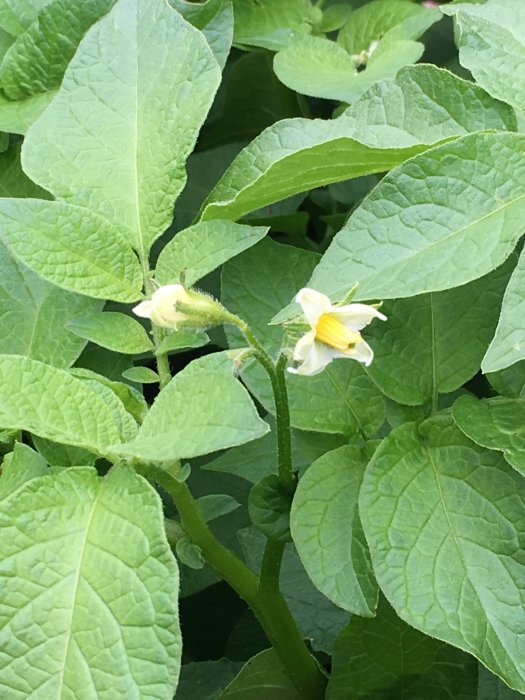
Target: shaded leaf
point(444, 520)
point(327, 531)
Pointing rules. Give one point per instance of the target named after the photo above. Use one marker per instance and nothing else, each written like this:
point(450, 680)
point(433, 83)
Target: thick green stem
point(267, 603)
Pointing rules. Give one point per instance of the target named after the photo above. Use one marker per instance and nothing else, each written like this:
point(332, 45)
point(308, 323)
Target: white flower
point(162, 307)
point(334, 332)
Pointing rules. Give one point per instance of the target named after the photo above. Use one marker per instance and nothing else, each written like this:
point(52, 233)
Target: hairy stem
point(266, 602)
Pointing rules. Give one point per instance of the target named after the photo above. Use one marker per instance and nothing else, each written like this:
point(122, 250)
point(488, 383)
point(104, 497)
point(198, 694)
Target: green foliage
point(367, 515)
point(114, 526)
point(443, 519)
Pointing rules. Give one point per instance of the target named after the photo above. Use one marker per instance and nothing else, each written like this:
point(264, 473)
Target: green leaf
point(114, 578)
point(492, 46)
point(389, 124)
point(112, 330)
point(496, 424)
point(33, 314)
point(269, 506)
point(433, 343)
point(316, 66)
point(509, 381)
point(59, 406)
point(13, 181)
point(327, 531)
point(17, 117)
point(180, 340)
point(133, 401)
point(141, 375)
point(215, 20)
point(321, 68)
point(200, 249)
point(38, 58)
point(143, 102)
point(257, 459)
point(261, 678)
point(384, 658)
point(318, 619)
point(19, 466)
point(17, 15)
point(491, 688)
point(508, 345)
point(216, 505)
point(204, 680)
point(63, 455)
point(334, 17)
point(411, 233)
point(272, 24)
point(342, 399)
point(203, 409)
point(71, 247)
point(375, 19)
point(444, 522)
point(251, 98)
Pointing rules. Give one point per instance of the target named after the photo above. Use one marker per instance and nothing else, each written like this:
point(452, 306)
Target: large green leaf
point(433, 343)
point(445, 526)
point(53, 404)
point(385, 659)
point(112, 330)
point(36, 61)
point(318, 618)
point(462, 201)
point(491, 39)
point(327, 531)
point(393, 121)
point(71, 247)
point(203, 409)
point(127, 115)
point(102, 621)
point(17, 117)
point(33, 314)
point(342, 399)
point(272, 24)
point(263, 677)
point(200, 249)
point(508, 345)
point(496, 424)
point(17, 15)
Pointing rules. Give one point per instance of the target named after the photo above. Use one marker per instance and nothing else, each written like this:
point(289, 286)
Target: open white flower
point(334, 332)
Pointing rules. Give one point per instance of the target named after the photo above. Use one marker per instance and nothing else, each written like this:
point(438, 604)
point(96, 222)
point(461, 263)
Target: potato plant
point(262, 350)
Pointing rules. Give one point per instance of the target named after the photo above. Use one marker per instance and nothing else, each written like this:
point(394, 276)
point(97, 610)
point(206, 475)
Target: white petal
point(143, 309)
point(363, 353)
point(315, 360)
point(314, 304)
point(357, 316)
point(303, 347)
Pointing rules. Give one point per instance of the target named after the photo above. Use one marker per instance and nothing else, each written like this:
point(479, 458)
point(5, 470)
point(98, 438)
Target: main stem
point(268, 605)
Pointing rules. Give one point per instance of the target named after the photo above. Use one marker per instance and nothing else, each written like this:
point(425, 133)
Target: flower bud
point(173, 306)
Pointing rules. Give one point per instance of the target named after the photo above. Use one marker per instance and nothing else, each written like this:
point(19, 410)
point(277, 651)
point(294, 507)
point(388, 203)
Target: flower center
point(332, 332)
